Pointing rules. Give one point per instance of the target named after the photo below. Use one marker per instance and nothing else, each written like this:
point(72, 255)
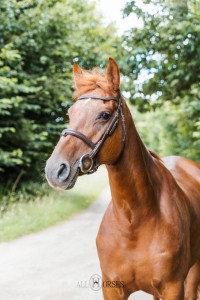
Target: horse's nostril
point(63, 172)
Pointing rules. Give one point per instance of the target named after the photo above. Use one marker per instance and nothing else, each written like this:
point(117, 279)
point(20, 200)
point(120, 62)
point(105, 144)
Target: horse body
point(145, 236)
point(149, 238)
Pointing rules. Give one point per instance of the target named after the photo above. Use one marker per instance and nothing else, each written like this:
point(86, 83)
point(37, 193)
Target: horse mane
point(90, 80)
point(155, 155)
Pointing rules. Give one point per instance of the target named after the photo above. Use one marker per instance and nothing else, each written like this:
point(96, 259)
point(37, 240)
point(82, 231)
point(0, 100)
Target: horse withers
point(149, 237)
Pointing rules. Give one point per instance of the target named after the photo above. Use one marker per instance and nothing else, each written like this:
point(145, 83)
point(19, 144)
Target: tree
point(164, 62)
point(39, 40)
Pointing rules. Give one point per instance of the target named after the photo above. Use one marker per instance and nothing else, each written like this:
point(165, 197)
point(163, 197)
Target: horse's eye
point(104, 115)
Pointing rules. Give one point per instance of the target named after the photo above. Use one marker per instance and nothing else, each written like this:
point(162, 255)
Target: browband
point(98, 97)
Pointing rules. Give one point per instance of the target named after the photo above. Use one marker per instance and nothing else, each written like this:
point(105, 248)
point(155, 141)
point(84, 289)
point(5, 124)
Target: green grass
point(27, 217)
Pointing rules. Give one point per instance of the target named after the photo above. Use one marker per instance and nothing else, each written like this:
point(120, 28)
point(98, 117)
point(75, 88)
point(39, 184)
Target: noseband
point(92, 156)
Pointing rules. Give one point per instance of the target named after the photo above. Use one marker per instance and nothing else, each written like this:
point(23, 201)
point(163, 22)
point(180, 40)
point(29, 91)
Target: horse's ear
point(77, 74)
point(112, 74)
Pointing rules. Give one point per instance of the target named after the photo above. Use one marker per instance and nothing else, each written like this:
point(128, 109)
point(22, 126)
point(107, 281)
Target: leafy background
point(167, 52)
point(39, 40)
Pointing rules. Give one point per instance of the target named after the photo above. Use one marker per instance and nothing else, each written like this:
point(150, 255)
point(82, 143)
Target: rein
point(108, 132)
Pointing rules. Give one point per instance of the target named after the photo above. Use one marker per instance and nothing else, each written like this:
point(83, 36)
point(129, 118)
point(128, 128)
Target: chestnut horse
point(149, 238)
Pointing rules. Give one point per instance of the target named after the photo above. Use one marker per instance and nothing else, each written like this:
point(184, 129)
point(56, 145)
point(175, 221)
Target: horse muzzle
point(61, 175)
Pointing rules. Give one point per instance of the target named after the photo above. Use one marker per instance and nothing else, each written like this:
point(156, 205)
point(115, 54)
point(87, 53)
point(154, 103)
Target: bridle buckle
point(81, 164)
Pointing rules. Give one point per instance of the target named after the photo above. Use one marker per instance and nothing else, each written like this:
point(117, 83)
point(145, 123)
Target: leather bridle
point(92, 156)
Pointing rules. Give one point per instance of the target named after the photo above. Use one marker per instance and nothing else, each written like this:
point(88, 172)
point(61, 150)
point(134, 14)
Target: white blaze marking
point(87, 100)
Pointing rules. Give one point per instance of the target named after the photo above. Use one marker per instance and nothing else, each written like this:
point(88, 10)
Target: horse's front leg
point(192, 282)
point(113, 291)
point(173, 291)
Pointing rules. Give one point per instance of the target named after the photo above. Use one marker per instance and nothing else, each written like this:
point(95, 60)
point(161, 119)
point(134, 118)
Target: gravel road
point(56, 263)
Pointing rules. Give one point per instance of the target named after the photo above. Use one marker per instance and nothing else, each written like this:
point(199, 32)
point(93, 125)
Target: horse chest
point(140, 260)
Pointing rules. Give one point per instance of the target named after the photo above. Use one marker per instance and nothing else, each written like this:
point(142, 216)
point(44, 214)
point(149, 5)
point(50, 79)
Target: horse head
point(96, 131)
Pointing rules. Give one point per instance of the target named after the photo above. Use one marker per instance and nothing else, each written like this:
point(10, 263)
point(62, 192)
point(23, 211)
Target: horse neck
point(131, 177)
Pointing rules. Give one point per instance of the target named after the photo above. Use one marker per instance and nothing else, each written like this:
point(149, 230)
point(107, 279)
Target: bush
point(39, 40)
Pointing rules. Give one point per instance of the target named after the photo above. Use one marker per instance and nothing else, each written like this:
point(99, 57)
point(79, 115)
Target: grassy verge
point(23, 218)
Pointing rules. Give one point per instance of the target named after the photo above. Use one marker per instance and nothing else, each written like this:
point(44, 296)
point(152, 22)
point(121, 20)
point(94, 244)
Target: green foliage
point(39, 40)
point(166, 132)
point(164, 63)
point(24, 217)
point(27, 192)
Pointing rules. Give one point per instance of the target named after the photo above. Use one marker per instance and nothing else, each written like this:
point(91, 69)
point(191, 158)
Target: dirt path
point(56, 263)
